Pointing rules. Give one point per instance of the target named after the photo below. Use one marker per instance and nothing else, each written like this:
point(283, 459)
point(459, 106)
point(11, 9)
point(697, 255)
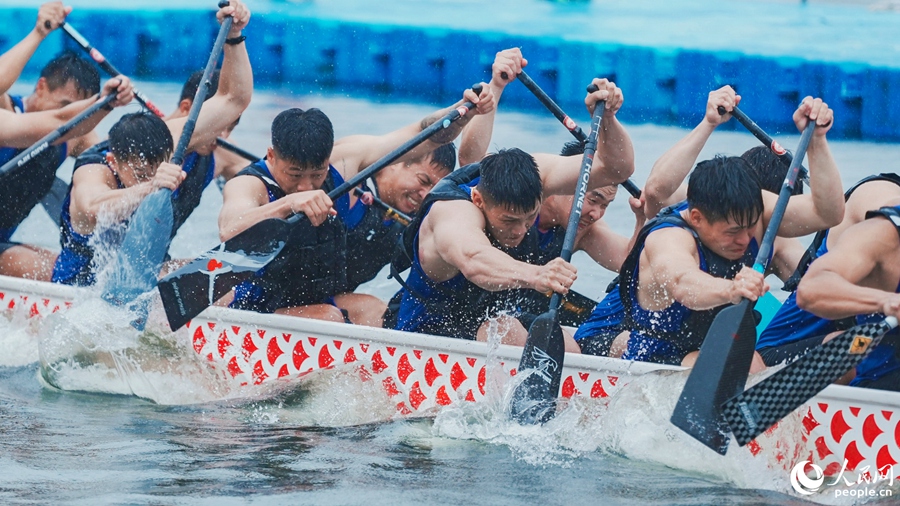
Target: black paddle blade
point(752, 412)
point(534, 400)
point(730, 340)
point(188, 291)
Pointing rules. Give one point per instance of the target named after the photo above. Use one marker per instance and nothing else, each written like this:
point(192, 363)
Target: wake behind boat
point(842, 430)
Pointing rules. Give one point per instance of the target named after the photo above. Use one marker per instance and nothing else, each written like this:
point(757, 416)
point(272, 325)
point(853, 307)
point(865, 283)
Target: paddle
point(534, 400)
point(238, 151)
point(761, 406)
point(189, 290)
point(723, 365)
point(42, 145)
point(768, 141)
point(141, 254)
point(563, 118)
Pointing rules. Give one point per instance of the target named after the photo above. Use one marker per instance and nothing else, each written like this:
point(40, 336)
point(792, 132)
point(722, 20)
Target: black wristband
point(236, 40)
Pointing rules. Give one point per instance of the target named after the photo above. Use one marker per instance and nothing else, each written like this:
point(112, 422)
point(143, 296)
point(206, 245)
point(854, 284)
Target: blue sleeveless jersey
point(428, 309)
point(609, 317)
point(75, 263)
point(791, 324)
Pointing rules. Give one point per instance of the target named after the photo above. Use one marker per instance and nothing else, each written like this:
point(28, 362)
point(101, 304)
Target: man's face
point(595, 204)
point(506, 226)
point(131, 172)
point(724, 237)
point(403, 186)
point(293, 178)
point(43, 99)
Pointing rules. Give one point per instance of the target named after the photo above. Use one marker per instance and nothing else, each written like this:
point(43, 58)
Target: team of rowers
point(485, 241)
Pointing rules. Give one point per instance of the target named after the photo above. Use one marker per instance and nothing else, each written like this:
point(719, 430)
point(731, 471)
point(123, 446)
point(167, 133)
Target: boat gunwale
point(221, 315)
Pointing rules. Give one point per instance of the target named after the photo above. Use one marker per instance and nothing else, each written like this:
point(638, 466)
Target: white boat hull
point(420, 374)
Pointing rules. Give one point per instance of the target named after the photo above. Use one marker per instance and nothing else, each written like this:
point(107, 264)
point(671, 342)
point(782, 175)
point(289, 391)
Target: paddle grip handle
point(406, 147)
point(45, 143)
point(763, 137)
point(765, 248)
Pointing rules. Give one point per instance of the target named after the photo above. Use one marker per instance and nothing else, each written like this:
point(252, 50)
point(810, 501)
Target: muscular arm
point(605, 246)
point(13, 61)
point(246, 203)
point(476, 136)
point(356, 152)
point(23, 130)
point(670, 261)
point(671, 169)
point(824, 206)
point(834, 288)
point(95, 195)
point(231, 99)
point(452, 240)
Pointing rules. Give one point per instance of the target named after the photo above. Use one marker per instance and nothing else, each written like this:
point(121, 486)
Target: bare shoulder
point(94, 175)
point(246, 188)
point(673, 242)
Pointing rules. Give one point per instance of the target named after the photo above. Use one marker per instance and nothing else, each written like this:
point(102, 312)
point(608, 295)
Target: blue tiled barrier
point(661, 84)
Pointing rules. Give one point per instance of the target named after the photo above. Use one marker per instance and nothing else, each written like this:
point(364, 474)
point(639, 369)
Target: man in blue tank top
point(858, 279)
point(105, 194)
point(309, 277)
point(693, 259)
point(469, 241)
point(544, 242)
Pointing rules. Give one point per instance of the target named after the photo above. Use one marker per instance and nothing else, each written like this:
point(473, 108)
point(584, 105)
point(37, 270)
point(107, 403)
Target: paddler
point(693, 259)
point(858, 280)
point(113, 177)
point(463, 243)
point(309, 278)
point(543, 242)
point(67, 85)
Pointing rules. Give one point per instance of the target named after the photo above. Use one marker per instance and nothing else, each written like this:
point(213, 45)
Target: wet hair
point(190, 86)
point(69, 67)
point(769, 169)
point(303, 137)
point(572, 148)
point(141, 136)
point(510, 178)
point(445, 157)
point(725, 188)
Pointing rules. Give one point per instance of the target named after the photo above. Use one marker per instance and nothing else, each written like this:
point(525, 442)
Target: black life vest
point(310, 269)
point(692, 329)
point(370, 246)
